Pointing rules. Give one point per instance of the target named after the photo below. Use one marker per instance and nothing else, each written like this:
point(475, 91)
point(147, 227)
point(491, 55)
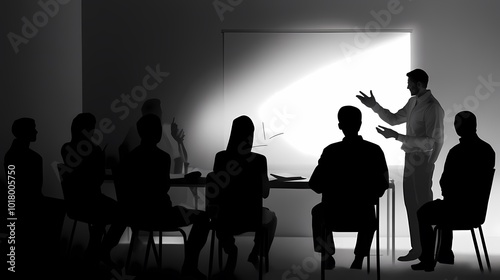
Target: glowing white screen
point(293, 84)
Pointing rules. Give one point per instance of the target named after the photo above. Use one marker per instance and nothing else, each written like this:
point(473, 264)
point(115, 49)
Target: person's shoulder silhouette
point(352, 168)
point(467, 163)
point(146, 167)
point(26, 164)
point(133, 139)
point(466, 127)
point(240, 200)
point(84, 160)
point(149, 129)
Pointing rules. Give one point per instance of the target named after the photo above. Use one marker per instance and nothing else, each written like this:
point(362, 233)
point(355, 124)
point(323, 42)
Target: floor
point(292, 259)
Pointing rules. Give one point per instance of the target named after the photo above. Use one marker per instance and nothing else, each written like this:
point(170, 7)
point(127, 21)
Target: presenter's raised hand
point(369, 101)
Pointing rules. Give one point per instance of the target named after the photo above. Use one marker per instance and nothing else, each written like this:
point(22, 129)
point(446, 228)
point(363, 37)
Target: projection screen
point(292, 84)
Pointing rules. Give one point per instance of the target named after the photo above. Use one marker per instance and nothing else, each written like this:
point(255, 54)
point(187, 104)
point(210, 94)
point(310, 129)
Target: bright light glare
point(302, 115)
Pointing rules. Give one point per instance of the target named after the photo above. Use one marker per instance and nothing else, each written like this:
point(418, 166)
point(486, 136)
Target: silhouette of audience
point(239, 200)
point(466, 164)
point(86, 163)
point(351, 175)
point(170, 135)
point(145, 171)
point(35, 213)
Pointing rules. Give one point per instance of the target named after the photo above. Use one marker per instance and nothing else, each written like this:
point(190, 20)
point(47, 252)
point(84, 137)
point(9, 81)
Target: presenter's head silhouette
point(417, 81)
point(241, 138)
point(24, 129)
point(82, 127)
point(465, 123)
point(349, 120)
point(149, 129)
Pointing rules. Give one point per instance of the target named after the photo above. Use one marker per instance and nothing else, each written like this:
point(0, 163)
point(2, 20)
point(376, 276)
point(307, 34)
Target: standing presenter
point(422, 143)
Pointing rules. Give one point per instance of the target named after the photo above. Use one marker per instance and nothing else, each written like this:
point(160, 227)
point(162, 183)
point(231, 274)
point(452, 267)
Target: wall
point(43, 79)
point(452, 40)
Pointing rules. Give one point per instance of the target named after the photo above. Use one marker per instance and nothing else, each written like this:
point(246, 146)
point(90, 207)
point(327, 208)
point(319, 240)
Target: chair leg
point(184, 239)
point(323, 256)
point(71, 237)
point(266, 251)
point(484, 249)
point(368, 263)
point(220, 256)
point(264, 245)
point(437, 242)
point(378, 254)
point(211, 258)
point(160, 245)
point(148, 246)
point(476, 247)
point(130, 248)
point(153, 245)
point(261, 254)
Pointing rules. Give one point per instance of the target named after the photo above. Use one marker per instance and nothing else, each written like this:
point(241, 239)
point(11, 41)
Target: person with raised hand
point(422, 144)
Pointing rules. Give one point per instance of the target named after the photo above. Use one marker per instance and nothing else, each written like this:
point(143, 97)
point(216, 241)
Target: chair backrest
point(70, 197)
point(65, 179)
point(485, 185)
point(218, 208)
point(358, 224)
point(123, 195)
point(212, 189)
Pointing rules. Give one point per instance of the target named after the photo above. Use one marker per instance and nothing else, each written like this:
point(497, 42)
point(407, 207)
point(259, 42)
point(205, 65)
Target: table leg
point(388, 219)
point(393, 223)
point(194, 191)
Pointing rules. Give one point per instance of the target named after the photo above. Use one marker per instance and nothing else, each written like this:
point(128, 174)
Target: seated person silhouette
point(239, 201)
point(170, 135)
point(84, 198)
point(145, 174)
point(465, 165)
point(35, 213)
point(351, 175)
point(28, 171)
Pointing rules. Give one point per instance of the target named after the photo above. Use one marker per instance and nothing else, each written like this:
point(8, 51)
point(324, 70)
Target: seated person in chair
point(145, 174)
point(351, 175)
point(466, 164)
point(239, 198)
point(83, 176)
point(35, 212)
point(170, 135)
point(26, 167)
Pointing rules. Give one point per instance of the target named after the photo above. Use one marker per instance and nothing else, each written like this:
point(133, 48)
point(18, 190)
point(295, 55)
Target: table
point(391, 206)
point(193, 185)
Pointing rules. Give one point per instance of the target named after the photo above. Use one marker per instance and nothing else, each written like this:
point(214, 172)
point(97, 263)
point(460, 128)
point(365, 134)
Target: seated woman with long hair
point(239, 199)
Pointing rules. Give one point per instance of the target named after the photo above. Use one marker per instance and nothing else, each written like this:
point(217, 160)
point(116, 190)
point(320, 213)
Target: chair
point(377, 240)
point(262, 250)
point(136, 228)
point(66, 185)
point(484, 197)
point(262, 253)
point(125, 198)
